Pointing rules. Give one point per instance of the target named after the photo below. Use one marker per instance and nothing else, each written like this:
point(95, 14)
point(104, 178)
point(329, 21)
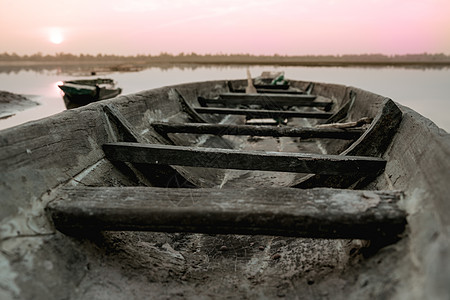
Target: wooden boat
point(153, 195)
point(85, 91)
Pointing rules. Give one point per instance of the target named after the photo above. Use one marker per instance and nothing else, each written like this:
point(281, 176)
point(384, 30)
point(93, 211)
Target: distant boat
point(85, 91)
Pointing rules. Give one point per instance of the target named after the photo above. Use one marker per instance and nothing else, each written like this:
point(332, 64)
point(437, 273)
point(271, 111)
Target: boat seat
point(316, 213)
point(273, 89)
point(262, 113)
point(230, 129)
point(266, 101)
point(157, 154)
point(277, 97)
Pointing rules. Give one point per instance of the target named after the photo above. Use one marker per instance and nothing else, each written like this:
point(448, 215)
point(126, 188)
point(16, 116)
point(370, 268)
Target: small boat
point(201, 190)
point(85, 91)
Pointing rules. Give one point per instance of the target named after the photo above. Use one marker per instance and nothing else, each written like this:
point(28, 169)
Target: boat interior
point(206, 189)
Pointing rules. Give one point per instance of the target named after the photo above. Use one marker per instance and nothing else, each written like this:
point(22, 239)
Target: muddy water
point(425, 90)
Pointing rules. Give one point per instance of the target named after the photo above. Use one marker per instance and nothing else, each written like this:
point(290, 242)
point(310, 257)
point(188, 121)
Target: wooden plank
point(163, 175)
point(378, 136)
point(373, 142)
point(272, 86)
point(125, 131)
point(341, 114)
point(265, 90)
point(243, 160)
point(265, 122)
point(272, 91)
point(261, 113)
point(317, 213)
point(227, 129)
point(267, 103)
point(268, 97)
point(187, 108)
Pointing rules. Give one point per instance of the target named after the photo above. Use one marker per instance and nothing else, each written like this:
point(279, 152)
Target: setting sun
point(56, 36)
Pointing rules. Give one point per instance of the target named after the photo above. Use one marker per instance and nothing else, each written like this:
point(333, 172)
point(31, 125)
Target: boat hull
point(42, 263)
point(82, 92)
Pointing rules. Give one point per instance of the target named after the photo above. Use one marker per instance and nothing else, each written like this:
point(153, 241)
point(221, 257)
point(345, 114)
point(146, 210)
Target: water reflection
point(425, 90)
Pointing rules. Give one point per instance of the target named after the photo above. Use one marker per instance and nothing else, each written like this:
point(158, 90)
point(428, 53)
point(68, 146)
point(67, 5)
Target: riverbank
point(104, 67)
point(10, 104)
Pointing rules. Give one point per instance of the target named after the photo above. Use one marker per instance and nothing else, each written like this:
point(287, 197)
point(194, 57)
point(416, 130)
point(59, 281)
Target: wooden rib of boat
point(85, 91)
point(163, 194)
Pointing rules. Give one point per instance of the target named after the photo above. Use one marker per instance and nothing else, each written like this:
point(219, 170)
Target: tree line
point(230, 58)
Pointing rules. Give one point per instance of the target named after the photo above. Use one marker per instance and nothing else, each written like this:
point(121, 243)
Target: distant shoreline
point(140, 64)
point(166, 59)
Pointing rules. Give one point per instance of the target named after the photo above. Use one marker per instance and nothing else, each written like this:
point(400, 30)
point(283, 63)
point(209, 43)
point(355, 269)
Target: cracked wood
point(317, 213)
point(243, 160)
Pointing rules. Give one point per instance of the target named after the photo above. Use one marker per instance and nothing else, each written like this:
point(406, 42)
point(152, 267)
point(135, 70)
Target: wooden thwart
point(261, 113)
point(317, 213)
point(267, 97)
point(226, 129)
point(272, 86)
point(271, 91)
point(265, 90)
point(242, 160)
point(266, 102)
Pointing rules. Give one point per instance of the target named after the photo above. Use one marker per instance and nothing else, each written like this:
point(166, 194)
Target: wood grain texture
point(228, 129)
point(342, 113)
point(261, 113)
point(271, 97)
point(162, 175)
point(373, 142)
point(261, 89)
point(266, 102)
point(317, 213)
point(243, 160)
point(187, 108)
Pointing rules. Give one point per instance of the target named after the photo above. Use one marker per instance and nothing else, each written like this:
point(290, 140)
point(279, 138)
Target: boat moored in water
point(85, 91)
point(202, 190)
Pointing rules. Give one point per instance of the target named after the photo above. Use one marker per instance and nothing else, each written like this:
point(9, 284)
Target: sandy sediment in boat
point(11, 103)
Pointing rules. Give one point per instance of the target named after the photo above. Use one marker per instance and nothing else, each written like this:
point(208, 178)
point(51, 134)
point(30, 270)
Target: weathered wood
point(269, 91)
point(124, 129)
point(267, 97)
point(243, 160)
point(227, 129)
point(341, 114)
point(232, 89)
point(250, 89)
point(265, 122)
point(187, 108)
point(373, 142)
point(163, 175)
point(272, 86)
point(265, 102)
point(317, 213)
point(352, 124)
point(261, 113)
point(378, 136)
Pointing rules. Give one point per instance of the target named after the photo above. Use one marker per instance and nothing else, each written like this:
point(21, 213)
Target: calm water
point(425, 90)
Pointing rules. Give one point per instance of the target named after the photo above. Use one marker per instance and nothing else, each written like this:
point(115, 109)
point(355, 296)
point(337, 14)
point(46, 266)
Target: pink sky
point(284, 27)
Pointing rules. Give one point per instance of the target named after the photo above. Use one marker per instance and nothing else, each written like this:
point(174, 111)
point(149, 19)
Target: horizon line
point(181, 54)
